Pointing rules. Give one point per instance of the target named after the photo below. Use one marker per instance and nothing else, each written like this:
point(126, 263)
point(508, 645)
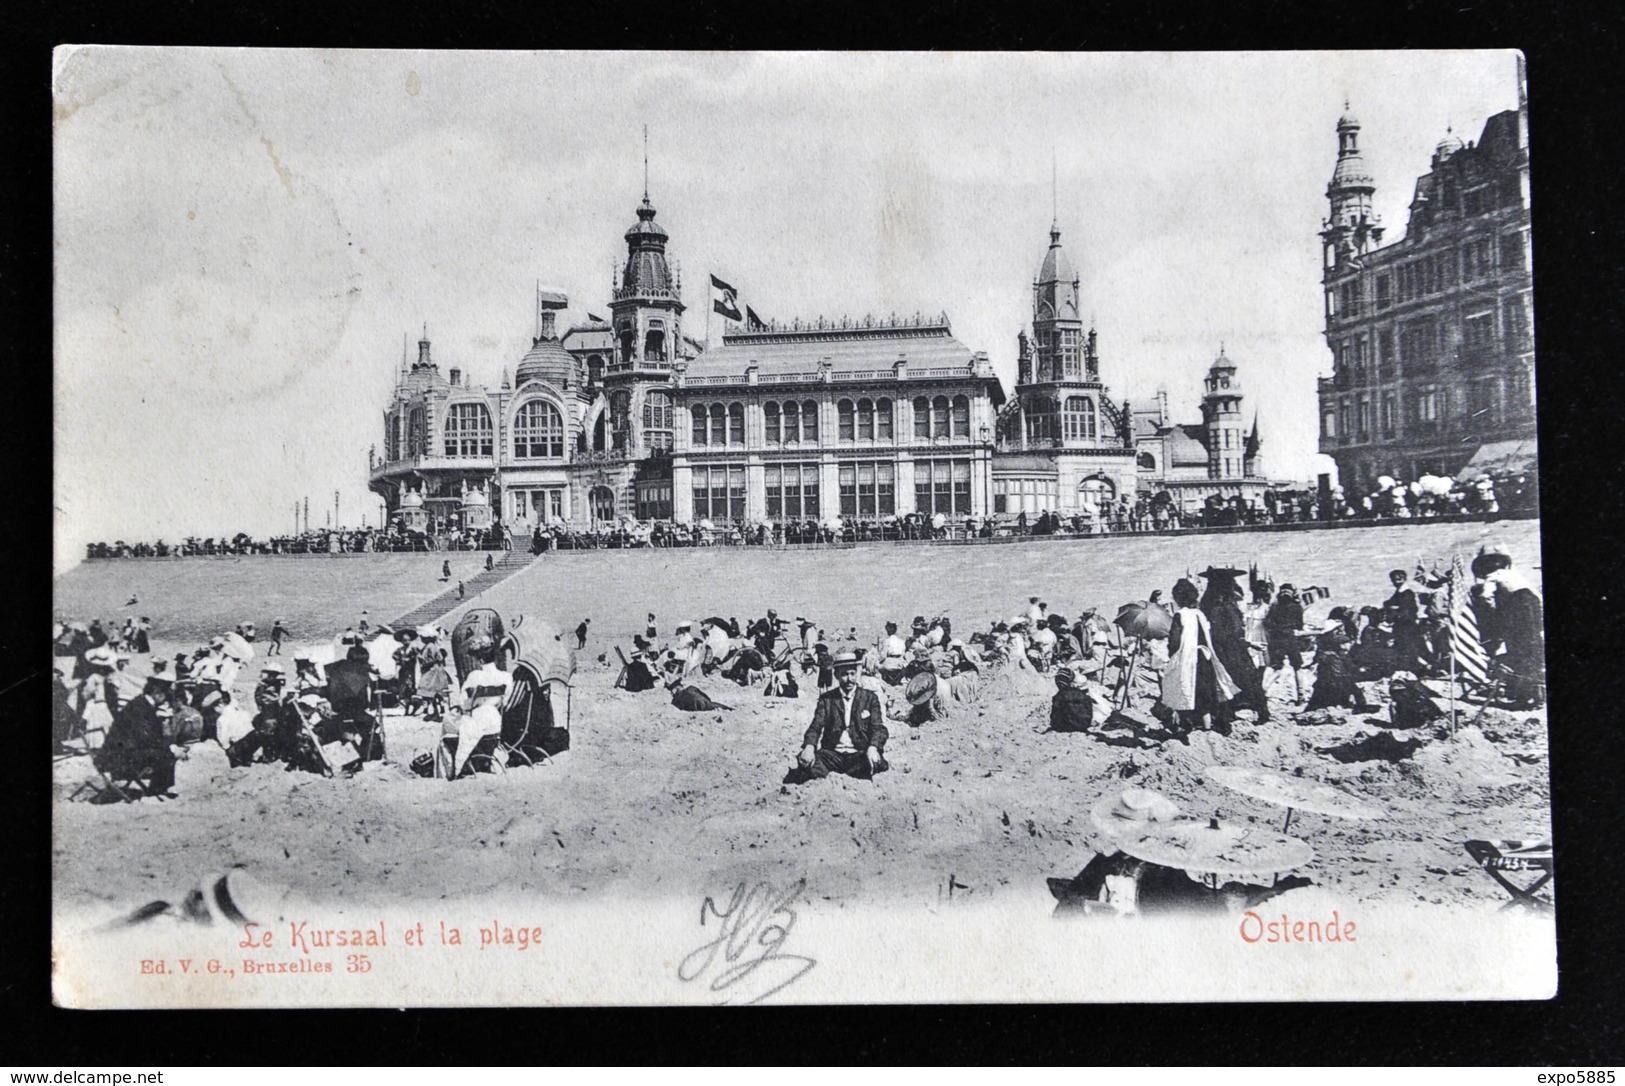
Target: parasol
point(1140, 619)
point(1210, 847)
point(1293, 793)
point(1143, 619)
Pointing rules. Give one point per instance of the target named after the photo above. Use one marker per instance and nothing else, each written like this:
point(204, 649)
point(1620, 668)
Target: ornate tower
point(647, 308)
point(1351, 227)
point(1057, 328)
point(1227, 440)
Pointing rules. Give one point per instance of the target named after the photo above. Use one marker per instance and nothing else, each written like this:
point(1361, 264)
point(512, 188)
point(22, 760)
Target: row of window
point(867, 489)
point(796, 422)
point(1074, 419)
point(1422, 343)
point(539, 431)
point(1429, 406)
point(1476, 259)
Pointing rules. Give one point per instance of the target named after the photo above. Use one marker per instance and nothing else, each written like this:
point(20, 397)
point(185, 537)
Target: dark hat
point(1063, 678)
point(1287, 589)
point(1214, 573)
point(919, 622)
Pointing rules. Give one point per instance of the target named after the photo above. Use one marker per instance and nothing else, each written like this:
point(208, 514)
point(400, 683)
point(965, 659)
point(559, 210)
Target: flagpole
point(1454, 588)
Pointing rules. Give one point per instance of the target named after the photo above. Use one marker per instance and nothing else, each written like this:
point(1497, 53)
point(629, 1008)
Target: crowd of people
point(1502, 494)
point(1199, 661)
point(393, 539)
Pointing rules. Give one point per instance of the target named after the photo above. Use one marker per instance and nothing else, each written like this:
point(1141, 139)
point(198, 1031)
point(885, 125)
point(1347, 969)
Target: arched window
point(654, 346)
point(939, 417)
point(883, 420)
point(538, 431)
point(719, 425)
point(922, 417)
point(736, 424)
point(846, 415)
point(699, 433)
point(961, 416)
point(417, 435)
point(595, 368)
point(657, 420)
point(1079, 419)
point(620, 418)
point(629, 340)
point(866, 420)
point(792, 422)
point(773, 434)
point(468, 430)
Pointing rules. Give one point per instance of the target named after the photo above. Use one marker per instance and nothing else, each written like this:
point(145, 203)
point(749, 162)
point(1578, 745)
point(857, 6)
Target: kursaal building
point(860, 418)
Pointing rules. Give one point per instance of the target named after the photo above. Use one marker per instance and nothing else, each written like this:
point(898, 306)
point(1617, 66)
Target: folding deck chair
point(1530, 857)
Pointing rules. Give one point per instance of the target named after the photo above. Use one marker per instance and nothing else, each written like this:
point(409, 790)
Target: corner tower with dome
point(1432, 352)
point(1192, 465)
point(1062, 444)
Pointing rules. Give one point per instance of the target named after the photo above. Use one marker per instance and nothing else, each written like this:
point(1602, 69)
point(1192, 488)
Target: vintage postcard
point(641, 528)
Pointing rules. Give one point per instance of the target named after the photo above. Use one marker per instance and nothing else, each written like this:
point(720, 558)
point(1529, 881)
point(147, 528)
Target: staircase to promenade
point(510, 563)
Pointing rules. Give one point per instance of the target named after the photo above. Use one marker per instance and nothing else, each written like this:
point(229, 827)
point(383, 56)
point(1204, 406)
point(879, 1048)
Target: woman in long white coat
point(1194, 684)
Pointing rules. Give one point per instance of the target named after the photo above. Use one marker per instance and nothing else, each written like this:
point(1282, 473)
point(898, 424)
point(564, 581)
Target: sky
point(243, 238)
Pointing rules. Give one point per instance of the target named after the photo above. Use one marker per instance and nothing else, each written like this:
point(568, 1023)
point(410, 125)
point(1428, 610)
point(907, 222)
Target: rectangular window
point(849, 490)
point(883, 425)
point(866, 421)
point(866, 490)
point(736, 424)
point(961, 476)
point(1516, 323)
point(736, 493)
point(719, 433)
point(1512, 252)
point(845, 419)
point(1385, 291)
point(1390, 413)
point(774, 484)
point(922, 418)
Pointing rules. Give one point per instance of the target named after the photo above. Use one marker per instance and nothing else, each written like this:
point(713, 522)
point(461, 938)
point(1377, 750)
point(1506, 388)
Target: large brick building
point(1433, 356)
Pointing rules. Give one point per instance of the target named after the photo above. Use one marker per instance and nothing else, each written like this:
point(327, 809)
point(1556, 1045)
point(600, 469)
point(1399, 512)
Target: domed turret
point(646, 272)
point(1221, 377)
point(411, 499)
point(547, 360)
point(1447, 146)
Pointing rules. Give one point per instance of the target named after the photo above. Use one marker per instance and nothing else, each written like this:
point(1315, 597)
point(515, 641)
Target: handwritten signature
point(750, 931)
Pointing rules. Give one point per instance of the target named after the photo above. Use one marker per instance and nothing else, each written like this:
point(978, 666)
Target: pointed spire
point(645, 163)
point(1054, 194)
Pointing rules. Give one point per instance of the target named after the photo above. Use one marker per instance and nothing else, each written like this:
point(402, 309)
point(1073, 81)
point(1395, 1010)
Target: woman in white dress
point(485, 692)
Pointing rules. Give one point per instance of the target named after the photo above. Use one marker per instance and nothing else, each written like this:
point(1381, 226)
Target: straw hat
point(844, 660)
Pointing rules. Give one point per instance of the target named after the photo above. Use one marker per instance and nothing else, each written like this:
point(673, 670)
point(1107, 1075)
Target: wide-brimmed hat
point(1214, 573)
point(920, 689)
point(919, 622)
point(101, 656)
point(844, 660)
point(159, 672)
point(272, 668)
point(430, 632)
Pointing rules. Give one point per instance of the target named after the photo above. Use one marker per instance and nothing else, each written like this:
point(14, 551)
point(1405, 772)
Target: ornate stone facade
point(1433, 354)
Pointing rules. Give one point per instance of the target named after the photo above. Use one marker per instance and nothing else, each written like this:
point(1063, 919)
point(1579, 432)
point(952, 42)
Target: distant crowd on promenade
point(1514, 494)
point(393, 539)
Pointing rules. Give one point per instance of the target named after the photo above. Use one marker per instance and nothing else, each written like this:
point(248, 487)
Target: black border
point(1575, 86)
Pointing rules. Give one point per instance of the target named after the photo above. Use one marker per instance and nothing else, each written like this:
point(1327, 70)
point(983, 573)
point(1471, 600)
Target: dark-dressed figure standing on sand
point(1221, 603)
point(847, 734)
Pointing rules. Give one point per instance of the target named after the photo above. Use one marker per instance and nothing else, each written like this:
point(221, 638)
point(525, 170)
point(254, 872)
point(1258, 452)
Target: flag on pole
point(595, 318)
point(753, 322)
point(725, 299)
point(1466, 650)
